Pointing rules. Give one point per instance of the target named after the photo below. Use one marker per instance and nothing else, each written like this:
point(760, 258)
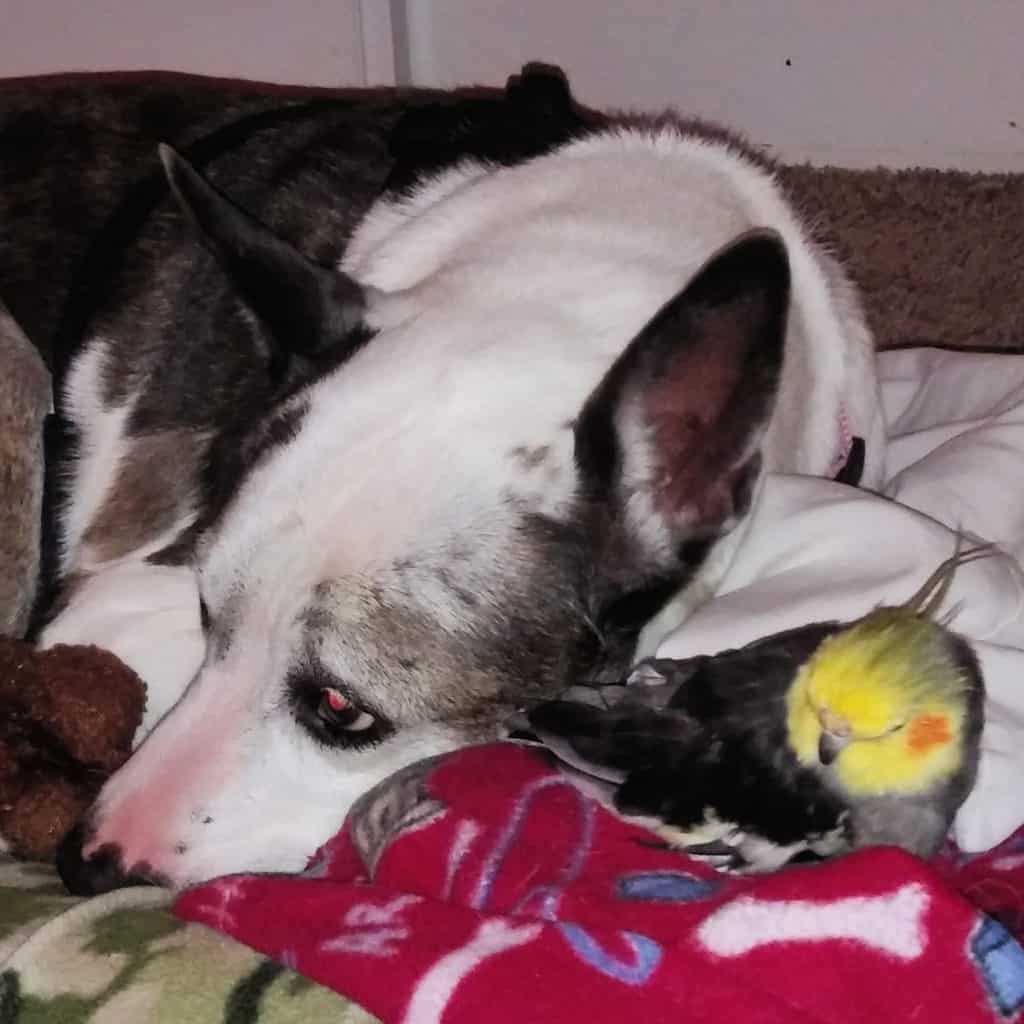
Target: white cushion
point(819, 550)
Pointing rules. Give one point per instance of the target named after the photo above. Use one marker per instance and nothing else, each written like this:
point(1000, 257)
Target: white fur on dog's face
point(371, 566)
point(415, 545)
point(387, 549)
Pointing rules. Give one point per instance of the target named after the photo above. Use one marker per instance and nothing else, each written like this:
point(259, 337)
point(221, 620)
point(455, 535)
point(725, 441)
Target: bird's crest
point(927, 600)
point(874, 672)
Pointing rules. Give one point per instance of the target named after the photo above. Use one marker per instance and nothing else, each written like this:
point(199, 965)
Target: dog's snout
point(100, 872)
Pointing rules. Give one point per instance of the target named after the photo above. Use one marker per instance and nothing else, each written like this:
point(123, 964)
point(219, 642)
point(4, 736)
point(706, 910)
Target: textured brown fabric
point(67, 718)
point(24, 401)
point(938, 255)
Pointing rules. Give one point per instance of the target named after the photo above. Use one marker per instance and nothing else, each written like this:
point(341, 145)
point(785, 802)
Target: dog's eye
point(326, 709)
point(336, 711)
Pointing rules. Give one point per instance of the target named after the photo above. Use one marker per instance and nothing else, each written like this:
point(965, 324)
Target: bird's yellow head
point(884, 702)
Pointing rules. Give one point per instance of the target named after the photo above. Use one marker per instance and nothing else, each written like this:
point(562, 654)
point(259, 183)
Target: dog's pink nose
point(99, 872)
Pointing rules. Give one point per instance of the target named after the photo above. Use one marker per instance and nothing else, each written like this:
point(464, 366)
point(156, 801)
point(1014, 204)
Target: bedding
point(124, 958)
point(427, 921)
point(818, 550)
point(486, 884)
point(483, 887)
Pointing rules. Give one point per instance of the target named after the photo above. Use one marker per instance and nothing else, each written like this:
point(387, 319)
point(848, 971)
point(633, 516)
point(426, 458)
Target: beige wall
point(315, 42)
point(899, 82)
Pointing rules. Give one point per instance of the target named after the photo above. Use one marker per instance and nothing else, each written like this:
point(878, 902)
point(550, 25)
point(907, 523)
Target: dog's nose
point(101, 872)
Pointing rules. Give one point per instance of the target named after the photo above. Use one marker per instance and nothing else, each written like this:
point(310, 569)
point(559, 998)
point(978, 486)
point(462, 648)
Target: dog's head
point(479, 495)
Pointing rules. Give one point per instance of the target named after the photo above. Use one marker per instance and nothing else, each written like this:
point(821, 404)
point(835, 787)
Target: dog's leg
point(148, 615)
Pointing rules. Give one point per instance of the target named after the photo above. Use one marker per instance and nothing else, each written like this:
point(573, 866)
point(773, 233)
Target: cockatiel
point(801, 745)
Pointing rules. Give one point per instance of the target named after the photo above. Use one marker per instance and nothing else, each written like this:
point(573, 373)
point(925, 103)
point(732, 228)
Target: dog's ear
point(668, 445)
point(306, 308)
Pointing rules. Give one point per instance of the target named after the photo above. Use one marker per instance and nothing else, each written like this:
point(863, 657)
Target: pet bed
point(464, 878)
point(510, 898)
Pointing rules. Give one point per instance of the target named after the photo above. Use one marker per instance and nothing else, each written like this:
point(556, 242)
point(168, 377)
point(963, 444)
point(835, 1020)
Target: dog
point(376, 416)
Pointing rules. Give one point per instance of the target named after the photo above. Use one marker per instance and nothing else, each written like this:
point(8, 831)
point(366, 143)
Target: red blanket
point(485, 887)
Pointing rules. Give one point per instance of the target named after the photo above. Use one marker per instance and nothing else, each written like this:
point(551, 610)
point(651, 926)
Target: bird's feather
point(723, 755)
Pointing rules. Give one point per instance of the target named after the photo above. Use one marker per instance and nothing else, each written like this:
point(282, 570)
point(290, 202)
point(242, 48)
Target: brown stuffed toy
point(67, 717)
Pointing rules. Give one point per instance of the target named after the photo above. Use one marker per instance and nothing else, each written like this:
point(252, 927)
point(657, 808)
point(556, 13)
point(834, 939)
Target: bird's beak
point(830, 745)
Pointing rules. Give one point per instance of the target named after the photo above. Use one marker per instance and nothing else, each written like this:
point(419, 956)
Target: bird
point(797, 747)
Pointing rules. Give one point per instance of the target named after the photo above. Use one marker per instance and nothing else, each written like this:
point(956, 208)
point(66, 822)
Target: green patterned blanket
point(124, 958)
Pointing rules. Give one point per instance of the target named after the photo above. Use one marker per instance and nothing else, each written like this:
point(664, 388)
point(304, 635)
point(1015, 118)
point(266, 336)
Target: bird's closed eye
point(884, 734)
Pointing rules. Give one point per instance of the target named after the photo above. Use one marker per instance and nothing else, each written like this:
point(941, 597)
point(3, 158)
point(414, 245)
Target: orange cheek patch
point(928, 730)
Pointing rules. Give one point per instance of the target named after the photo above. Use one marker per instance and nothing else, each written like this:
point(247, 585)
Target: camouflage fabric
point(124, 958)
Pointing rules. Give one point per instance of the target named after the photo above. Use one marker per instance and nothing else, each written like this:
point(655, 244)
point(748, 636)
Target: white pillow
point(818, 550)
